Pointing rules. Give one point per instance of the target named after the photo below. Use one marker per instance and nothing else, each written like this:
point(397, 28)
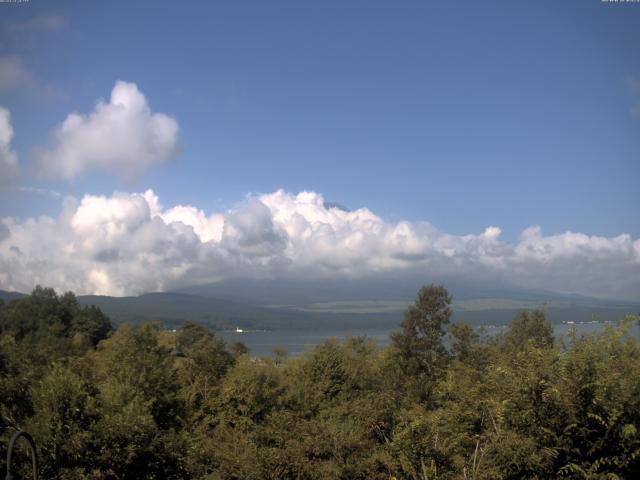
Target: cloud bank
point(8, 157)
point(129, 244)
point(122, 136)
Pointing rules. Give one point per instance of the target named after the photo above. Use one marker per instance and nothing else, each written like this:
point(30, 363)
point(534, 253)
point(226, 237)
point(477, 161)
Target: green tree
point(44, 315)
point(464, 342)
point(528, 327)
point(202, 363)
point(139, 405)
point(238, 349)
point(63, 413)
point(92, 324)
point(280, 354)
point(419, 346)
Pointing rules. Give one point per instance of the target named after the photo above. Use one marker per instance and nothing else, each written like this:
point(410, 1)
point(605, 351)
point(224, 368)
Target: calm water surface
point(261, 343)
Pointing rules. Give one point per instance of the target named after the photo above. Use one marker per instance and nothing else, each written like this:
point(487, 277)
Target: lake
point(261, 343)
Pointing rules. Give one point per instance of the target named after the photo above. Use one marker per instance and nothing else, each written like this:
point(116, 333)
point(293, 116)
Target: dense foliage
point(146, 403)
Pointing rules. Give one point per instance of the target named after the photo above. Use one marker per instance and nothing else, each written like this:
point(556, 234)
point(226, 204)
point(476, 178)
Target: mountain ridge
point(174, 308)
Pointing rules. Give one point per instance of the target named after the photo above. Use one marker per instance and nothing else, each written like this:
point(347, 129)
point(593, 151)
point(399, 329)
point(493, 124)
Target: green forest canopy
point(146, 403)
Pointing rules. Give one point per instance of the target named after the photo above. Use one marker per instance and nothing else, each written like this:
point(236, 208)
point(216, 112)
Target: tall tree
point(418, 345)
point(529, 328)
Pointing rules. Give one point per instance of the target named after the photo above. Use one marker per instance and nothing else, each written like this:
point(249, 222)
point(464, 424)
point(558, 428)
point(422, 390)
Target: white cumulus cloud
point(8, 157)
point(122, 136)
point(129, 244)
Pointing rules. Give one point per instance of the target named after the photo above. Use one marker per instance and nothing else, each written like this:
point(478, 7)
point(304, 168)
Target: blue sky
point(462, 114)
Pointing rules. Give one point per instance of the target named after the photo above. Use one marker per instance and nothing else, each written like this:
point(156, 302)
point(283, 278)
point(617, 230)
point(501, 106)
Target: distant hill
point(386, 298)
point(174, 308)
point(261, 304)
point(296, 291)
point(8, 296)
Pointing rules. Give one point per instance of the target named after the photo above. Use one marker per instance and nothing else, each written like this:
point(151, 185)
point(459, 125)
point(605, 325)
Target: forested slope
point(143, 403)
